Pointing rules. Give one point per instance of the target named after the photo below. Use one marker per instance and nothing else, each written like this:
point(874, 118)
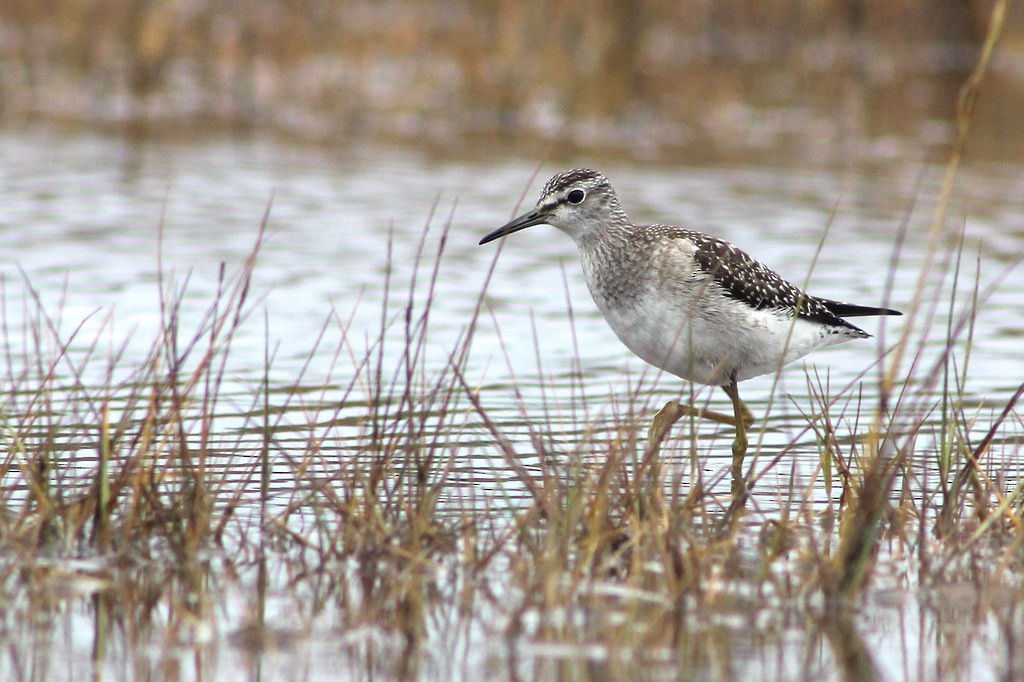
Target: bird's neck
point(612, 266)
point(605, 236)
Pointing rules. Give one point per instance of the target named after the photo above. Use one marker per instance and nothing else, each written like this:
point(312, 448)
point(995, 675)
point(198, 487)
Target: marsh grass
point(154, 492)
point(360, 496)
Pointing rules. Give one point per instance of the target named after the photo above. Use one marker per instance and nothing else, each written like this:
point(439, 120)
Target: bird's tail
point(850, 310)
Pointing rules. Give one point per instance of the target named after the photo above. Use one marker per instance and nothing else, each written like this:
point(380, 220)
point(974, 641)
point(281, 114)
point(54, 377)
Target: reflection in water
point(853, 656)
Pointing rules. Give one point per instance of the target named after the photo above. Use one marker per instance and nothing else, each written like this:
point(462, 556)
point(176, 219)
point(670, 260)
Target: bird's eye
point(576, 196)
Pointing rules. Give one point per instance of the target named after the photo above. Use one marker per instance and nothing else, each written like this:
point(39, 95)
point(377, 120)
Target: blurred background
point(828, 81)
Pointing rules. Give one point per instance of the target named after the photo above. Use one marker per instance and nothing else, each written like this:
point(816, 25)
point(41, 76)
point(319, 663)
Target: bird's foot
point(739, 481)
point(662, 422)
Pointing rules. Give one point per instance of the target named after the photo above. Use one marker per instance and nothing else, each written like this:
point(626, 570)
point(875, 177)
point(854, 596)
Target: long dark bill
point(521, 223)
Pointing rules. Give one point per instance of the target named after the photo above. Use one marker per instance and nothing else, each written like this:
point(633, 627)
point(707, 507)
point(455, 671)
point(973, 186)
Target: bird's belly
point(713, 345)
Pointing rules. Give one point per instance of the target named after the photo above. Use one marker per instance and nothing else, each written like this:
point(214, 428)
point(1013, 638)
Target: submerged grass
point(386, 507)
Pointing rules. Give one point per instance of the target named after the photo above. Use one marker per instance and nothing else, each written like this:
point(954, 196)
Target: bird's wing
point(751, 282)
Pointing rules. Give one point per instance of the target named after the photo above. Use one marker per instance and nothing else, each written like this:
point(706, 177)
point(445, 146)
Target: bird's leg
point(747, 417)
point(660, 426)
point(662, 422)
point(673, 411)
point(743, 418)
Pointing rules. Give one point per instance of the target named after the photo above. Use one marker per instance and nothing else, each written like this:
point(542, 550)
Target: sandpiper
point(686, 302)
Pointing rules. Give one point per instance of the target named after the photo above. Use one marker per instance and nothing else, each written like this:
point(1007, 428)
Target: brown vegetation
point(654, 75)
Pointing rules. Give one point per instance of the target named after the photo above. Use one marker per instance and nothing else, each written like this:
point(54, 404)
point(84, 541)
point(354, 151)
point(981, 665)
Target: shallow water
point(93, 224)
point(89, 222)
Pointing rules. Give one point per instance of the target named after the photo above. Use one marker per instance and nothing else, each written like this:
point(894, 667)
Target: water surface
point(94, 226)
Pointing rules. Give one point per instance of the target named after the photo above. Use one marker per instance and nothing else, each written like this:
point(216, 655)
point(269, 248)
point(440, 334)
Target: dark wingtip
point(850, 310)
